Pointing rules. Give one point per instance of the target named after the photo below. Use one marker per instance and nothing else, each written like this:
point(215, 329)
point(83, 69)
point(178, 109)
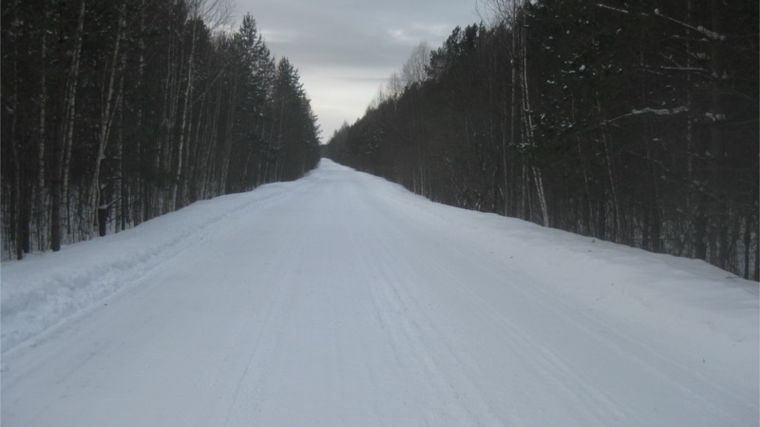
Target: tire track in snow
point(347, 302)
point(597, 402)
point(429, 346)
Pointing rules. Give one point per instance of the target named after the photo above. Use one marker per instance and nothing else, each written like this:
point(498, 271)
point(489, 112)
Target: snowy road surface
point(343, 300)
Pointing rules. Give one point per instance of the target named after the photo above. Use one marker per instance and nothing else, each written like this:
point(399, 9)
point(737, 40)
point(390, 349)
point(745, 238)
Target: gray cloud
point(345, 49)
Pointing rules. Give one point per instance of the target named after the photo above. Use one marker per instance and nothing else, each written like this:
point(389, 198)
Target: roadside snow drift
point(343, 300)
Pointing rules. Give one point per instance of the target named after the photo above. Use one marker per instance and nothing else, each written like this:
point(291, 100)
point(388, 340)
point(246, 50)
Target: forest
point(115, 112)
point(630, 121)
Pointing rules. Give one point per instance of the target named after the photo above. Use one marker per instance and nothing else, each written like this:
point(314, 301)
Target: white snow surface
point(344, 300)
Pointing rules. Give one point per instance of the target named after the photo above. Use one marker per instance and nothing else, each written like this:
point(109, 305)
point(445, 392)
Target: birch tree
point(630, 122)
point(114, 113)
point(112, 98)
point(59, 193)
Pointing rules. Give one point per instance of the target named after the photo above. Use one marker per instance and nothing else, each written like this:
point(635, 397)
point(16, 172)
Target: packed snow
point(343, 300)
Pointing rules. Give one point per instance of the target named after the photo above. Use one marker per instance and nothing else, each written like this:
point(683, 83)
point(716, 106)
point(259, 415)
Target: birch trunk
point(60, 184)
point(186, 116)
point(617, 229)
point(120, 219)
point(40, 189)
point(719, 250)
point(228, 138)
point(211, 152)
point(15, 217)
point(528, 123)
point(106, 119)
point(43, 103)
point(140, 194)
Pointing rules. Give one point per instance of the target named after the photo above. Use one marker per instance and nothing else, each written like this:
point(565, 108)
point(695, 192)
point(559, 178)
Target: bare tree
point(213, 14)
point(108, 112)
point(60, 181)
point(415, 68)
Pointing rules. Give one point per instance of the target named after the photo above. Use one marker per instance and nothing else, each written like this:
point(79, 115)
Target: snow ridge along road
point(343, 300)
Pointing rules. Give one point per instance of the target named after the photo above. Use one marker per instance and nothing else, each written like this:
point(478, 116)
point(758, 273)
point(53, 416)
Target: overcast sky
point(345, 49)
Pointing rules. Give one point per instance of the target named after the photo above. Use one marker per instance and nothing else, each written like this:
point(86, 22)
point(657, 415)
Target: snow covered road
point(343, 300)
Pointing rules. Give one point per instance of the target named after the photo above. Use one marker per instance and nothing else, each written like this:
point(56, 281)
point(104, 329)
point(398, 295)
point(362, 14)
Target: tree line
point(633, 122)
point(116, 112)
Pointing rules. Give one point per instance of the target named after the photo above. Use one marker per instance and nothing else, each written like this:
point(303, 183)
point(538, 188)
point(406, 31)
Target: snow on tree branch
point(616, 9)
point(715, 117)
point(648, 110)
point(685, 69)
point(661, 111)
point(604, 6)
point(712, 35)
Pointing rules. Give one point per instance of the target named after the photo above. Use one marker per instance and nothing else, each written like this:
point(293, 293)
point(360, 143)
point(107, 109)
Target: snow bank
point(679, 298)
point(44, 289)
point(637, 286)
point(341, 299)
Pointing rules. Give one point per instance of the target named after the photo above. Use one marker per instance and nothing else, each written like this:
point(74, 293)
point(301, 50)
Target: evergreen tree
point(631, 122)
point(116, 112)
